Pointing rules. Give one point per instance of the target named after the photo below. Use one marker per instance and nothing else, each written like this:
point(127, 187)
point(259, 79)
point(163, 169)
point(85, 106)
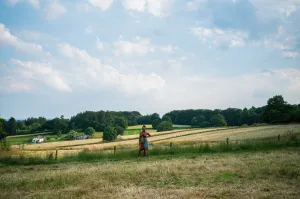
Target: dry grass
point(246, 175)
point(166, 135)
point(238, 134)
point(148, 126)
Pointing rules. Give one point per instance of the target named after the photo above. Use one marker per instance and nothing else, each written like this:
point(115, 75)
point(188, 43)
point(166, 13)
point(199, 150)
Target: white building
point(38, 139)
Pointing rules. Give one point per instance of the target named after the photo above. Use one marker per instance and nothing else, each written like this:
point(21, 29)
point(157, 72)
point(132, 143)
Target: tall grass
point(289, 139)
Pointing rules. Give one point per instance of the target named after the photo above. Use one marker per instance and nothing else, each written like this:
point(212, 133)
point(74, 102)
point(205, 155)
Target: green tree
point(2, 133)
point(164, 126)
point(121, 121)
point(155, 123)
point(194, 122)
point(120, 130)
point(167, 118)
point(205, 124)
point(109, 133)
point(71, 135)
point(155, 116)
point(11, 126)
point(35, 127)
point(90, 131)
point(21, 125)
point(218, 120)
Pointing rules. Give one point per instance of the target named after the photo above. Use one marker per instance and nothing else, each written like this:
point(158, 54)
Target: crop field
point(239, 134)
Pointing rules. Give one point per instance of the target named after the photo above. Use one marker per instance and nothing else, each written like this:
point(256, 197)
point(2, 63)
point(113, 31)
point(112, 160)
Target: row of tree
point(276, 111)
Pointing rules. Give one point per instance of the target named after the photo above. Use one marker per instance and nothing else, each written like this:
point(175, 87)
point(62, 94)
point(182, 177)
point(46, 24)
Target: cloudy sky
point(62, 57)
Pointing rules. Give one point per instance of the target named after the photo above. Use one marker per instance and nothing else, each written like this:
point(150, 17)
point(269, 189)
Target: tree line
point(113, 123)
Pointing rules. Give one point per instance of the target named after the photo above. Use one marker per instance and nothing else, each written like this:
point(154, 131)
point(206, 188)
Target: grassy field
point(268, 174)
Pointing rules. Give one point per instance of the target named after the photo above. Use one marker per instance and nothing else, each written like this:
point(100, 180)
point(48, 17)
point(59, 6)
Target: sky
point(64, 57)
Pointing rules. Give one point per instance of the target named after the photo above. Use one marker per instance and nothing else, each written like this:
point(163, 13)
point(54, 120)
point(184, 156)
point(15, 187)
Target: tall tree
point(11, 126)
point(218, 120)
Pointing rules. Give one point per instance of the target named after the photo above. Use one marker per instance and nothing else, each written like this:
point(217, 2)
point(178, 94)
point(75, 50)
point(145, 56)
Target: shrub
point(109, 133)
point(155, 123)
point(120, 130)
point(90, 131)
point(164, 126)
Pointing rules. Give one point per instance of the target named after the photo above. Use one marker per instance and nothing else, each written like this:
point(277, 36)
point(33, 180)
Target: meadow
point(259, 165)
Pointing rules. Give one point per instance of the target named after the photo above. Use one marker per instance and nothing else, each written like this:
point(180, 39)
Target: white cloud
point(99, 44)
point(6, 38)
point(195, 4)
point(158, 8)
point(53, 11)
point(93, 73)
point(30, 74)
point(33, 3)
point(249, 89)
point(88, 30)
point(290, 54)
point(168, 48)
point(140, 46)
point(102, 4)
point(137, 5)
point(220, 38)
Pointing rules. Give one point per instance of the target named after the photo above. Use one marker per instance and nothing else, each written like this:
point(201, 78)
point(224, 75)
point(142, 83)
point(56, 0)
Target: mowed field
point(207, 134)
point(269, 174)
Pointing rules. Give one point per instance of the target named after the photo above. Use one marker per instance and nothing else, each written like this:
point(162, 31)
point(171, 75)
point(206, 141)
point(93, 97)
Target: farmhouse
point(38, 139)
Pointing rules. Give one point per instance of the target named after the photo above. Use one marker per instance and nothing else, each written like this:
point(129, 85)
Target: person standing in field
point(143, 141)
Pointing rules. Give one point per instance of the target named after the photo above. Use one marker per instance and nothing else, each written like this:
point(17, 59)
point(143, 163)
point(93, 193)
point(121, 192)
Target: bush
point(205, 124)
point(165, 126)
point(155, 123)
point(90, 131)
point(4, 145)
point(218, 120)
point(109, 133)
point(71, 136)
point(120, 130)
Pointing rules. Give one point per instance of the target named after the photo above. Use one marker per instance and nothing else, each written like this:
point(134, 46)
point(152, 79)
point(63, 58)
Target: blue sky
point(62, 57)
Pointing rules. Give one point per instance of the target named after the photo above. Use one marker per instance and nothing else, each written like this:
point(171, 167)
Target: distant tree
point(200, 119)
point(218, 120)
point(121, 121)
point(120, 130)
point(72, 135)
point(59, 125)
point(277, 110)
point(90, 131)
point(41, 120)
point(205, 124)
point(2, 133)
point(167, 118)
point(194, 122)
point(155, 123)
point(35, 127)
point(155, 116)
point(109, 133)
point(21, 125)
point(11, 126)
point(164, 126)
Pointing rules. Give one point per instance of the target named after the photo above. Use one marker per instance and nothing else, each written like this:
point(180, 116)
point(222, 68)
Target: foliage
point(11, 127)
point(109, 133)
point(2, 133)
point(72, 135)
point(167, 118)
point(34, 127)
point(90, 131)
point(279, 111)
point(165, 126)
point(121, 122)
point(218, 120)
point(120, 130)
point(155, 123)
